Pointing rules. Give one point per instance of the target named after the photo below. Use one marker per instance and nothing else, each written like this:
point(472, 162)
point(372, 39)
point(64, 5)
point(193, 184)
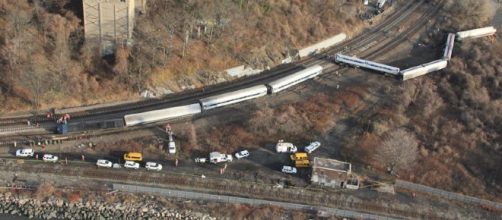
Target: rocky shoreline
point(57, 208)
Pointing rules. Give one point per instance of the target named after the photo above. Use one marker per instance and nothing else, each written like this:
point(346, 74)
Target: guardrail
point(445, 194)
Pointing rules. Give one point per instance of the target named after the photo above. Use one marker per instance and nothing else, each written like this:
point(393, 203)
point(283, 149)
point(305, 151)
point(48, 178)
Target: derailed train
point(224, 99)
point(405, 74)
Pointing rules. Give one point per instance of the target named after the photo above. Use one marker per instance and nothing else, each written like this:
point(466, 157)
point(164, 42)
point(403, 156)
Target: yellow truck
point(299, 156)
point(133, 156)
point(300, 160)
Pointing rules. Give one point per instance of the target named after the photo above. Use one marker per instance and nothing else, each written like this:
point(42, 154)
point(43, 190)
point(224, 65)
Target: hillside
point(45, 62)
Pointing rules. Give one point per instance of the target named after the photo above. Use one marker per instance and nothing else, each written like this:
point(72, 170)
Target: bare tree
point(398, 151)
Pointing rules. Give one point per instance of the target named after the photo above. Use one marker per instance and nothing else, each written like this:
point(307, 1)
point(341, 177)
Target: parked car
point(153, 166)
point(104, 163)
point(200, 160)
point(131, 165)
point(242, 154)
point(312, 147)
point(50, 158)
point(26, 152)
point(172, 147)
point(117, 165)
point(288, 169)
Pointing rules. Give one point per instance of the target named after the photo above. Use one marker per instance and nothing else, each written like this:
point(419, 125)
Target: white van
point(284, 147)
point(26, 152)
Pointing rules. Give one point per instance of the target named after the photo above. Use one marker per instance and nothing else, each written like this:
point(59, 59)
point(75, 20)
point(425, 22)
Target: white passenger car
point(131, 165)
point(162, 114)
point(153, 166)
point(104, 163)
point(354, 61)
point(288, 169)
point(312, 147)
point(26, 152)
point(424, 69)
point(50, 158)
point(233, 97)
point(242, 154)
point(475, 33)
point(293, 79)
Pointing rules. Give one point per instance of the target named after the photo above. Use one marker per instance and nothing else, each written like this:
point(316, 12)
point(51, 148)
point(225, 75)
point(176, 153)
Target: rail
point(448, 195)
point(242, 200)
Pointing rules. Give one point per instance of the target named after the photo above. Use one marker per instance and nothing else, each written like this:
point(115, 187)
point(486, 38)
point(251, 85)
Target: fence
point(446, 194)
point(240, 200)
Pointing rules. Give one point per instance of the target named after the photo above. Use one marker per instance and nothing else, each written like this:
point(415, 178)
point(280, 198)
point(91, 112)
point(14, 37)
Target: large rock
point(59, 203)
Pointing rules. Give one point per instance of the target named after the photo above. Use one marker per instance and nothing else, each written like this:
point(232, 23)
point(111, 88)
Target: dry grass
point(44, 191)
point(74, 197)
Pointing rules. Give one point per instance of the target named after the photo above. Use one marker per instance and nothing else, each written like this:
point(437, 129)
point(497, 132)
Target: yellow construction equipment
point(300, 160)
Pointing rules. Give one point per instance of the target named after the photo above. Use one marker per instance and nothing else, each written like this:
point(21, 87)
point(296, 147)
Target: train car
point(80, 126)
point(424, 69)
point(449, 46)
point(293, 79)
point(233, 97)
point(162, 114)
point(340, 58)
point(475, 33)
point(381, 3)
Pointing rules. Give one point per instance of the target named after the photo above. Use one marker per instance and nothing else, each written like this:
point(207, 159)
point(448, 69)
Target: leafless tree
point(398, 151)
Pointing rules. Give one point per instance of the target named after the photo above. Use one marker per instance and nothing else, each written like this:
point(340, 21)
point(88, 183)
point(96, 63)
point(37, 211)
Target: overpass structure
point(109, 23)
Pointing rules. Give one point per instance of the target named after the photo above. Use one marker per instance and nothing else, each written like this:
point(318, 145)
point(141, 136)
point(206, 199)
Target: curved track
point(359, 43)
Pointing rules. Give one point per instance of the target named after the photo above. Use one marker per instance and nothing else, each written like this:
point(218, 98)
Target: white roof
point(162, 114)
point(235, 96)
point(295, 78)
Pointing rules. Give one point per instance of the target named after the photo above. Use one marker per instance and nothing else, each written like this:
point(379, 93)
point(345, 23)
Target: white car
point(242, 154)
point(312, 147)
point(288, 169)
point(172, 147)
point(24, 152)
point(131, 165)
point(200, 160)
point(117, 166)
point(50, 158)
point(104, 163)
point(153, 166)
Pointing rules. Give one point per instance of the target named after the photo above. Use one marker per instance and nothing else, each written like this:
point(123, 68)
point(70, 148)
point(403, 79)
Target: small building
point(333, 173)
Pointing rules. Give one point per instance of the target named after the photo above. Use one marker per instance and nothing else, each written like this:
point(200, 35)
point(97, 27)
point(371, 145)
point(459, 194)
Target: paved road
point(242, 200)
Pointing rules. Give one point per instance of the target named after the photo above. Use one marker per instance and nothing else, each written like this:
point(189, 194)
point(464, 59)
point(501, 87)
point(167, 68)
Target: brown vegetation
point(454, 114)
point(301, 121)
point(44, 190)
point(473, 13)
point(45, 61)
point(398, 151)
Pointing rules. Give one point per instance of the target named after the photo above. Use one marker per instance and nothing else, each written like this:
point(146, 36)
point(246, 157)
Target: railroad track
point(193, 95)
point(214, 184)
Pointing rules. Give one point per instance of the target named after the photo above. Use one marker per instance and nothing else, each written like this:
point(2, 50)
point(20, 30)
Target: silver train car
point(293, 79)
point(424, 69)
point(162, 114)
point(233, 97)
point(340, 58)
